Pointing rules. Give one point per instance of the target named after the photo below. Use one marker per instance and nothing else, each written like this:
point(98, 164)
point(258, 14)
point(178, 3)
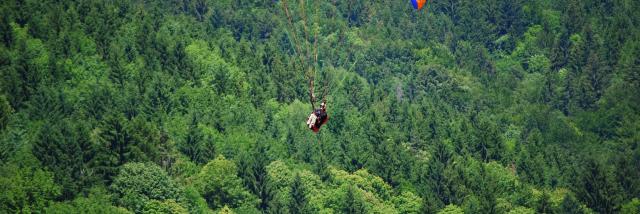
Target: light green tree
point(631, 207)
point(166, 207)
point(26, 189)
point(451, 209)
point(522, 210)
point(139, 183)
point(407, 202)
point(220, 185)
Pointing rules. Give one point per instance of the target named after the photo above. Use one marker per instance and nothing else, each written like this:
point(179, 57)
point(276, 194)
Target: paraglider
point(418, 4)
point(318, 118)
point(306, 49)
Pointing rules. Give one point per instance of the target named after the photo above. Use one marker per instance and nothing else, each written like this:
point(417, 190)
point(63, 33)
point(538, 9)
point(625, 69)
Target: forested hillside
point(199, 106)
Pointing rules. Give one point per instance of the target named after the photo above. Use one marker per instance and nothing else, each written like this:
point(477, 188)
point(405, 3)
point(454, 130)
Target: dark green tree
point(597, 188)
point(569, 205)
point(65, 148)
point(298, 196)
point(193, 144)
point(116, 145)
point(5, 112)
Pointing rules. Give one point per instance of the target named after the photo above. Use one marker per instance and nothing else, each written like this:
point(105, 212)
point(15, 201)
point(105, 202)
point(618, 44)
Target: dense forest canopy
point(199, 106)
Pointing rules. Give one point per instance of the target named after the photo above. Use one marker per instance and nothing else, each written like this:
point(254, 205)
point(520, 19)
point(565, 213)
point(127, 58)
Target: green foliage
point(65, 148)
point(451, 209)
point(360, 192)
point(193, 145)
point(194, 201)
point(5, 112)
point(226, 210)
point(139, 184)
point(299, 199)
point(521, 210)
point(119, 141)
point(570, 205)
point(30, 64)
point(407, 202)
point(352, 202)
point(213, 71)
point(167, 206)
point(478, 106)
point(598, 191)
point(26, 189)
point(97, 202)
point(220, 186)
point(632, 206)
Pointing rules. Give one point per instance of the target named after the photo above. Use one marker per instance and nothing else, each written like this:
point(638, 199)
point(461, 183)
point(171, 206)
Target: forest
point(199, 106)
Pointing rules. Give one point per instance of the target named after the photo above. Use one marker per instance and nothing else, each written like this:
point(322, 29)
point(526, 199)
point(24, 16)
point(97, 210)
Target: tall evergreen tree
point(298, 196)
point(597, 188)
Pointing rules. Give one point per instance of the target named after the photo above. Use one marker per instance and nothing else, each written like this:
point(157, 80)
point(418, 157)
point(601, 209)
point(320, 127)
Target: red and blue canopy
point(418, 4)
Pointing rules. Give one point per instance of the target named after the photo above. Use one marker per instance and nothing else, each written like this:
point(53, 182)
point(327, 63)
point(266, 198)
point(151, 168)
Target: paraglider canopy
point(306, 50)
point(418, 4)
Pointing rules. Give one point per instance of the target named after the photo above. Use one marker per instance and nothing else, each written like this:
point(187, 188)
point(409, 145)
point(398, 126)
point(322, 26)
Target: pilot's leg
point(312, 120)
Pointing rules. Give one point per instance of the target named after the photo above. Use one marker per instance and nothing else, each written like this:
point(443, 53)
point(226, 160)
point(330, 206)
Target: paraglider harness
point(318, 118)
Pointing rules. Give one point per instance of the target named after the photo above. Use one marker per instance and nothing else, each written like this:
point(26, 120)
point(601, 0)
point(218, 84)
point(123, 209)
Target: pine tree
point(116, 146)
point(65, 148)
point(597, 188)
point(298, 196)
point(253, 170)
point(352, 202)
point(544, 203)
point(5, 112)
point(192, 146)
point(569, 205)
